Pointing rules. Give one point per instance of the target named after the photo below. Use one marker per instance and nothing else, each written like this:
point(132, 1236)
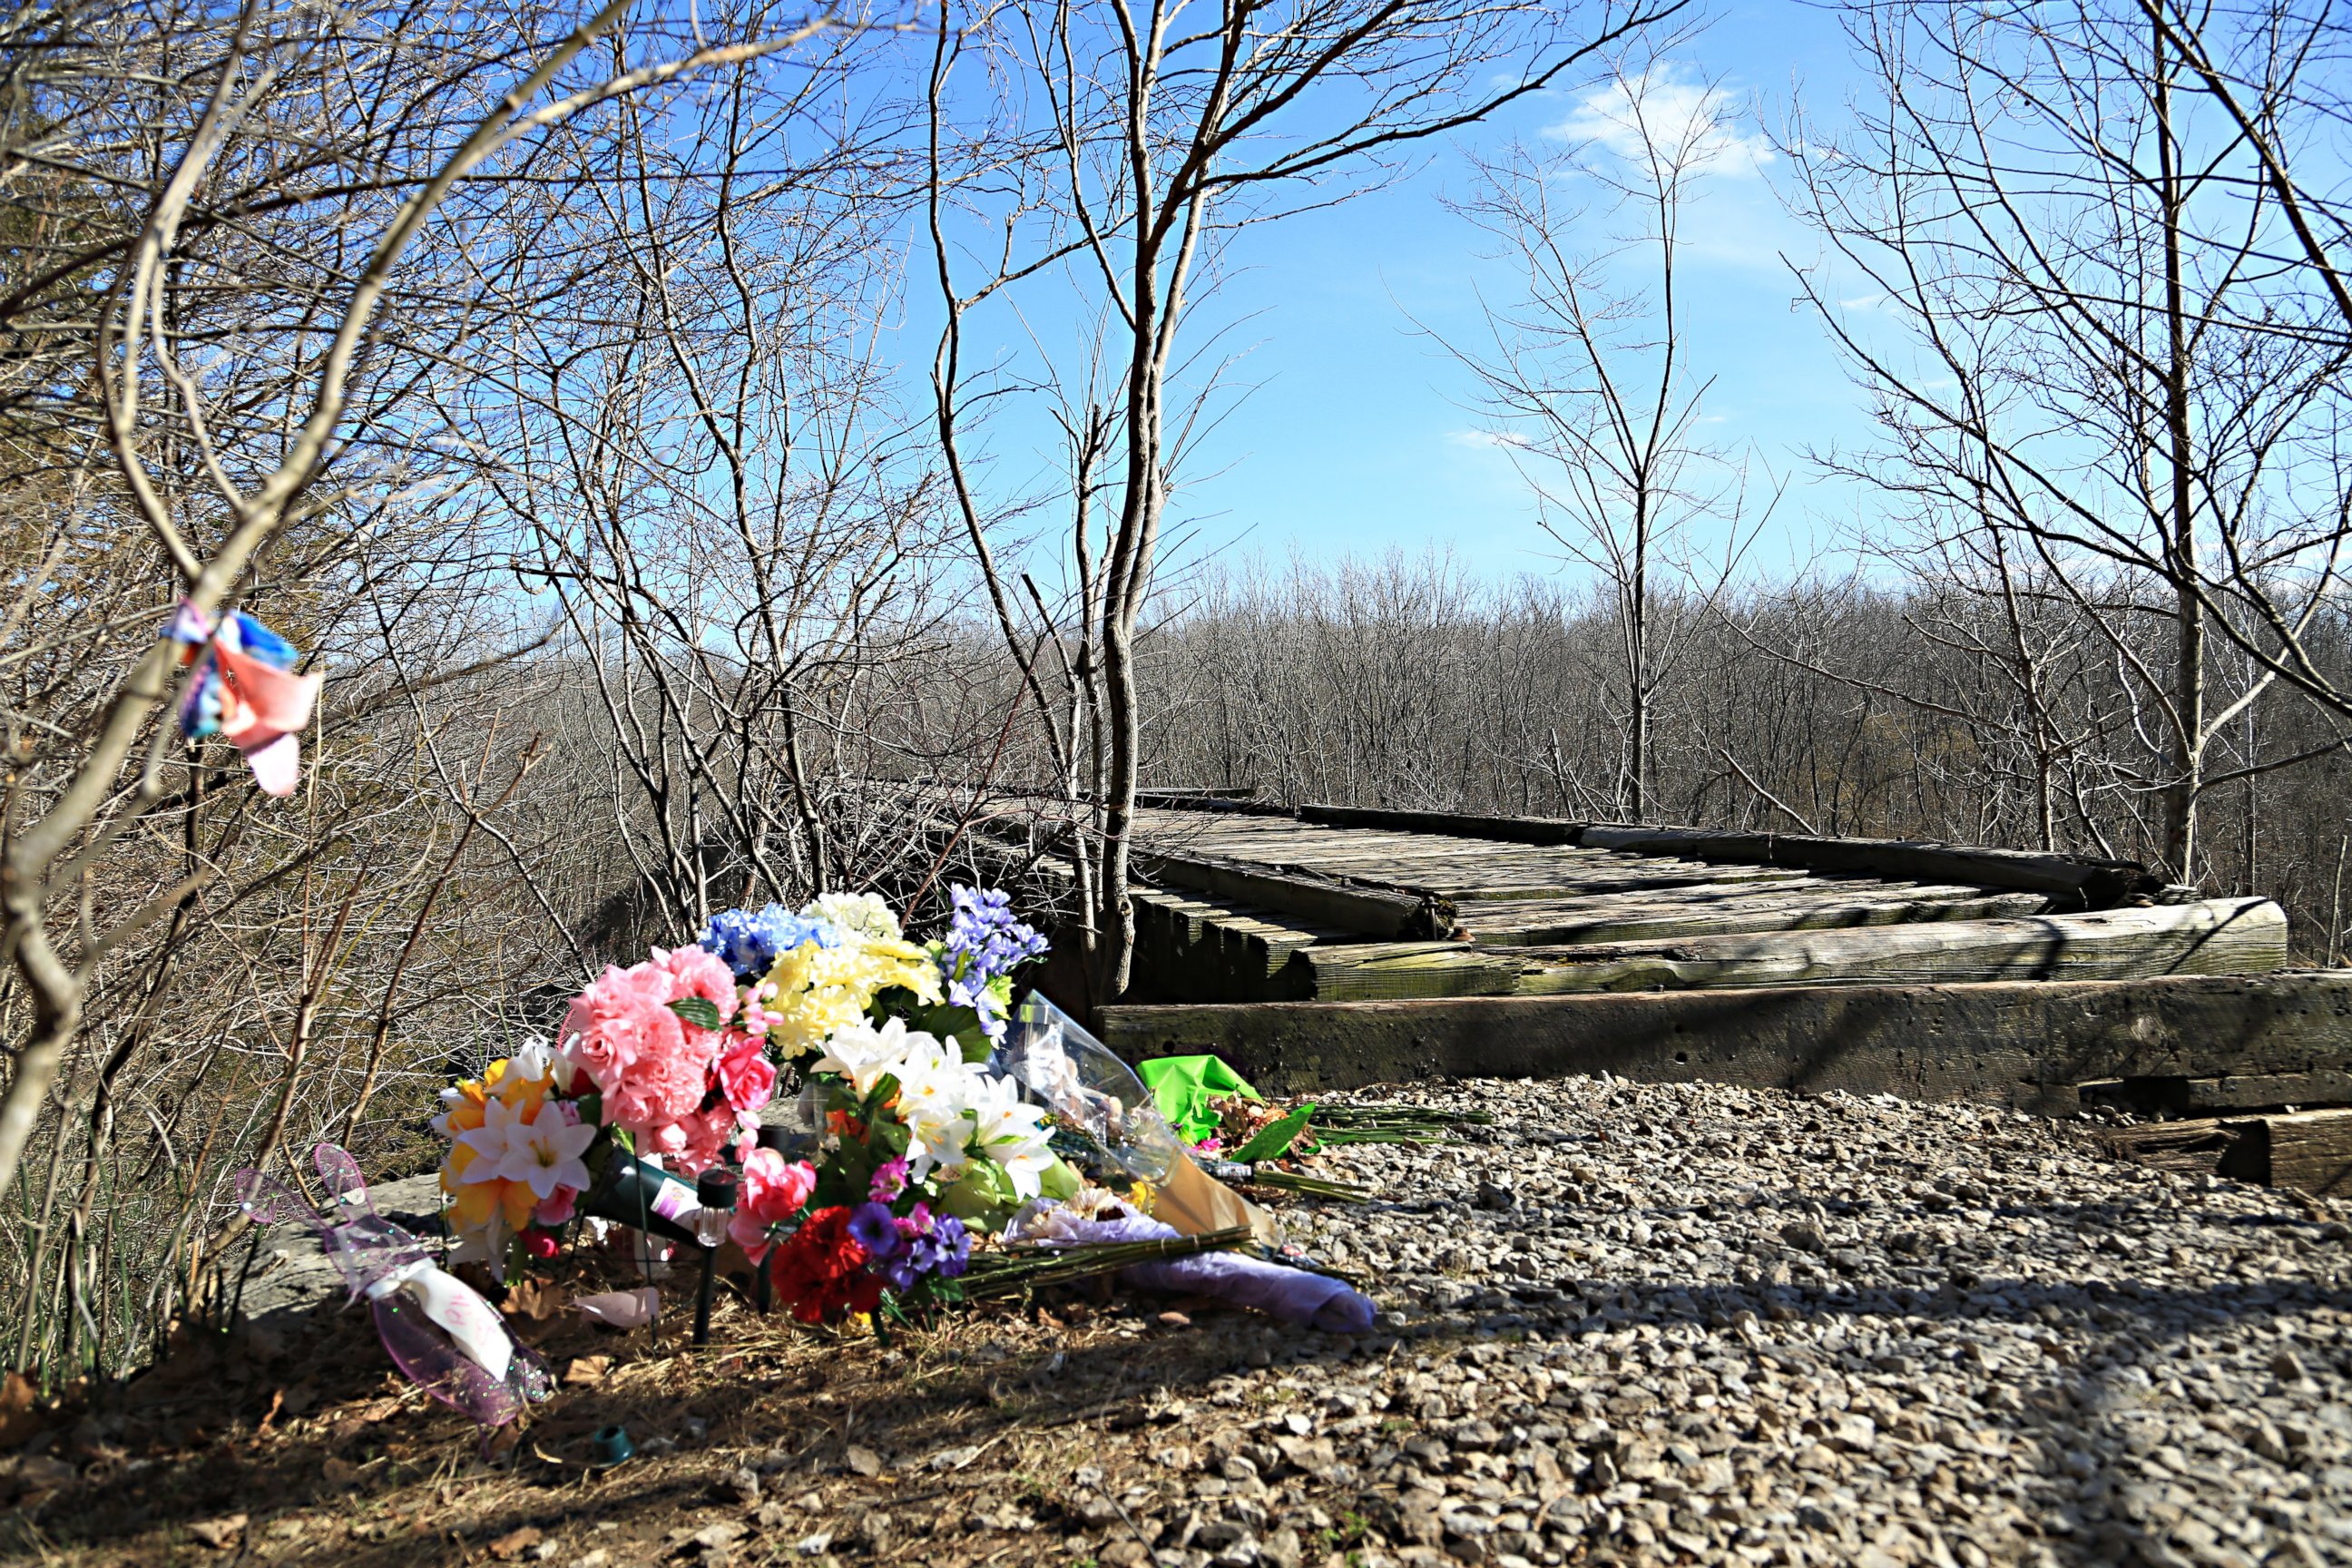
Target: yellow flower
point(467, 1108)
point(821, 990)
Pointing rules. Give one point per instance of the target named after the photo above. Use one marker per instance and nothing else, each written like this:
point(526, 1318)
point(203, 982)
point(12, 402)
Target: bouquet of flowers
point(674, 1059)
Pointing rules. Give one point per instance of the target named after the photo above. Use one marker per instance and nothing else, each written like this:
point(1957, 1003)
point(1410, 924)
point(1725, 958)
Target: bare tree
point(1139, 141)
point(260, 232)
point(1587, 374)
point(2098, 351)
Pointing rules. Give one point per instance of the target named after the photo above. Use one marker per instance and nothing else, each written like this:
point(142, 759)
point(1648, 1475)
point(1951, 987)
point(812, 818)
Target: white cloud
point(1503, 439)
point(1661, 109)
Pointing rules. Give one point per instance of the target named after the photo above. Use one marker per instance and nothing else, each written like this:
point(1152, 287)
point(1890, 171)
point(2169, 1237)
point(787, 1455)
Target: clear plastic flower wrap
point(1092, 1096)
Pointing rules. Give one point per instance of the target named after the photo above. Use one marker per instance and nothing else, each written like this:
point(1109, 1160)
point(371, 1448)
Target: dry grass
point(982, 1433)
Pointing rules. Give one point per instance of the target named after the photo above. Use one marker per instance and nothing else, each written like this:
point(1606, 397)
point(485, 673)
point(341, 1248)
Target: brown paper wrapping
point(1196, 1203)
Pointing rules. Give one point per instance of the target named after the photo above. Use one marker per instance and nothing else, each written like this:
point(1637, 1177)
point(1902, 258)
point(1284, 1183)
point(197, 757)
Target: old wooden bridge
point(1330, 946)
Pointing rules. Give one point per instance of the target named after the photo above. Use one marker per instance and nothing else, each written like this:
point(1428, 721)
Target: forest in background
point(595, 400)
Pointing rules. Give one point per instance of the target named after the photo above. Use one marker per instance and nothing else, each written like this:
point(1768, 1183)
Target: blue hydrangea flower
point(750, 939)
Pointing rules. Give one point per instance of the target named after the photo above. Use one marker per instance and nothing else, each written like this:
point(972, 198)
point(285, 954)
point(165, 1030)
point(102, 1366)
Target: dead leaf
point(515, 1543)
point(20, 1417)
point(220, 1534)
point(535, 1301)
point(339, 1472)
point(865, 1461)
point(587, 1371)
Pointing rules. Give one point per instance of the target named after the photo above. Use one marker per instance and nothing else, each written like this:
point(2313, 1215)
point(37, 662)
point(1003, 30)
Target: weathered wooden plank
point(2180, 1097)
point(2310, 1152)
point(1595, 921)
point(2097, 882)
point(1626, 877)
point(2025, 1044)
point(1203, 950)
point(2195, 1148)
point(2215, 936)
point(1510, 829)
point(1388, 916)
point(1359, 973)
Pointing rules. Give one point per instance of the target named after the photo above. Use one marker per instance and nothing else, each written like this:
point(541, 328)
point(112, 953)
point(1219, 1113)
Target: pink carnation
point(622, 1019)
point(703, 1139)
point(697, 972)
point(658, 1088)
point(772, 1194)
point(746, 1076)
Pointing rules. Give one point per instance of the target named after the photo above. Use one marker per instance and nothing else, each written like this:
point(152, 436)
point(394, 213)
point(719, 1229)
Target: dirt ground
point(1000, 1435)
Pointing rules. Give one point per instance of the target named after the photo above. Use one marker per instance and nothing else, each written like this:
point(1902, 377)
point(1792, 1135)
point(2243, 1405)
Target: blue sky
point(1358, 436)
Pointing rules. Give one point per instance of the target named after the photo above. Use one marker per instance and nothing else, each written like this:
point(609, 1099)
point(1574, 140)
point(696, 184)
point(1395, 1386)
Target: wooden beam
point(2096, 883)
point(2215, 936)
point(1375, 912)
point(2310, 1152)
point(2025, 1044)
point(1366, 972)
point(1638, 920)
point(1509, 829)
point(2179, 1097)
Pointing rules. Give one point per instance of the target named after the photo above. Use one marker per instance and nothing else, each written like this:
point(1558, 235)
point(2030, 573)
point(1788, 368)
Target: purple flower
point(889, 1181)
point(984, 942)
point(946, 1250)
point(873, 1229)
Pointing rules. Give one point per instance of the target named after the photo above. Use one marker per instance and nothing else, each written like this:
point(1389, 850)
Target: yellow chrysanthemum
point(820, 990)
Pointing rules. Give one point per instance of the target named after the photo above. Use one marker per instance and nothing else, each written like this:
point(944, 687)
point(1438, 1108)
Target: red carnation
point(821, 1270)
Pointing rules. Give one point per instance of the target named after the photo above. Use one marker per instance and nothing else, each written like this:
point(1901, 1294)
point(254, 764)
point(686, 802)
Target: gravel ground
point(1624, 1324)
point(1754, 1327)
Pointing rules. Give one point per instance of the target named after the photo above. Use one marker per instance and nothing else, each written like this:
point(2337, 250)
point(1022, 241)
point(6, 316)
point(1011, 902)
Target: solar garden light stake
point(714, 1195)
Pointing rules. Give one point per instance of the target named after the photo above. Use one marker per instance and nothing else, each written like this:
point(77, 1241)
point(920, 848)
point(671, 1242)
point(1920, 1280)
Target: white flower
point(486, 1245)
point(865, 1055)
point(533, 1061)
point(864, 914)
point(544, 1153)
point(488, 1142)
point(1011, 1132)
point(934, 1087)
point(451, 1099)
point(941, 1148)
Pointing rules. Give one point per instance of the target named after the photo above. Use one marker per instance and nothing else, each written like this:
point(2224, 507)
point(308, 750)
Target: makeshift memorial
point(241, 687)
point(930, 1113)
point(444, 1338)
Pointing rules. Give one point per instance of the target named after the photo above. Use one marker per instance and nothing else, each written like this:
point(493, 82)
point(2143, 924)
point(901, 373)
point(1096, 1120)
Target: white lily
point(488, 1142)
point(1011, 1132)
point(545, 1152)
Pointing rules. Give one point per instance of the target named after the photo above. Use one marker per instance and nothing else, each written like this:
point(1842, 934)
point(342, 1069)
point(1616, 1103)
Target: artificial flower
point(543, 1152)
point(745, 1075)
point(1011, 1133)
point(857, 914)
point(749, 942)
point(773, 1190)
